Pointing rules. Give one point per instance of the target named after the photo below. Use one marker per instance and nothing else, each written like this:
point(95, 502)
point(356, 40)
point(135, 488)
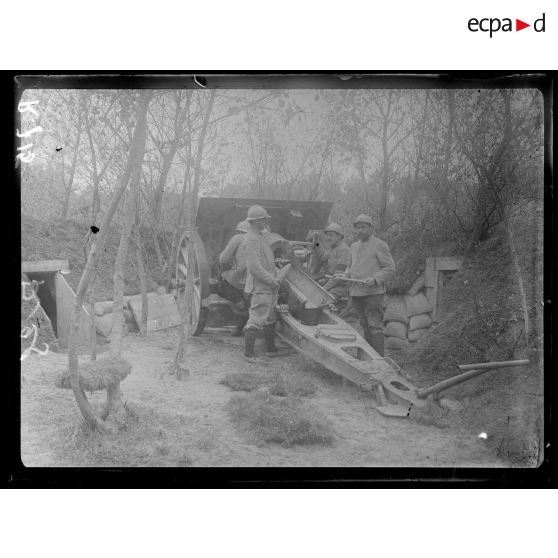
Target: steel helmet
point(363, 219)
point(242, 226)
point(334, 227)
point(257, 212)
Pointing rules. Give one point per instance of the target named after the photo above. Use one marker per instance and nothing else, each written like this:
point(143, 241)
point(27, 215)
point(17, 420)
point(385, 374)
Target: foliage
point(286, 420)
point(480, 318)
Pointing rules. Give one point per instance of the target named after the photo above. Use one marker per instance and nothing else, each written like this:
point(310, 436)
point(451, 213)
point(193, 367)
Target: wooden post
point(438, 300)
point(434, 280)
point(431, 282)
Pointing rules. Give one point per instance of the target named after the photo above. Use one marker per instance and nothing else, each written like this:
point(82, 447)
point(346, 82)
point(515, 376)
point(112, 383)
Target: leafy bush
point(286, 420)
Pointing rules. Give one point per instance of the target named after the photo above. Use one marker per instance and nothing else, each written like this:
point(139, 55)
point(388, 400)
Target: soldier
point(261, 283)
point(232, 262)
point(372, 263)
point(338, 259)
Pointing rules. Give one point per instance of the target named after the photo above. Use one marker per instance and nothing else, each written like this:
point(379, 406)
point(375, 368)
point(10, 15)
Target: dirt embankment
point(67, 239)
point(482, 320)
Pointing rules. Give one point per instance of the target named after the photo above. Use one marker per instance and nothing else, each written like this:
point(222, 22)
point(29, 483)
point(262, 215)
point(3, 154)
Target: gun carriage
point(306, 322)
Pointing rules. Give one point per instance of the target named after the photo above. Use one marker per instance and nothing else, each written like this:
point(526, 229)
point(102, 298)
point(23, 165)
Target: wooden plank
point(45, 265)
point(172, 320)
point(449, 263)
point(438, 297)
point(430, 272)
point(65, 301)
point(417, 285)
point(162, 311)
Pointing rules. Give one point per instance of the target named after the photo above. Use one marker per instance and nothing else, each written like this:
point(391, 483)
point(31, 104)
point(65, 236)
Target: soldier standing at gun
point(232, 263)
point(338, 259)
point(262, 285)
point(372, 265)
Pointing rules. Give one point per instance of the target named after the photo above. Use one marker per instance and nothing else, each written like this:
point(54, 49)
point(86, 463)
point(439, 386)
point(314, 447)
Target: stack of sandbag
point(419, 312)
point(395, 320)
point(103, 318)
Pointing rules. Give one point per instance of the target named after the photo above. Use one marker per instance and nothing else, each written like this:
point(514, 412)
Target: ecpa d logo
point(492, 25)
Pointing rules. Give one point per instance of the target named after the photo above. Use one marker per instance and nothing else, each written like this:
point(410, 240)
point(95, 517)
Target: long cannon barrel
point(467, 375)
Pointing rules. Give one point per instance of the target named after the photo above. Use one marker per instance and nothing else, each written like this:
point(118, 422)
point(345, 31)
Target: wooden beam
point(449, 263)
point(45, 265)
point(430, 272)
point(437, 297)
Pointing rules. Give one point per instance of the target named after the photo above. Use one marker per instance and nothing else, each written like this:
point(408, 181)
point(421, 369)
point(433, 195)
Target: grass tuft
point(245, 381)
point(286, 420)
point(296, 385)
point(278, 384)
point(98, 374)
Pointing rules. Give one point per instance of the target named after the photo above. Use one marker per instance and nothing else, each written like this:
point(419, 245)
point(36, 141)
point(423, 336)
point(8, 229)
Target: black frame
point(19, 476)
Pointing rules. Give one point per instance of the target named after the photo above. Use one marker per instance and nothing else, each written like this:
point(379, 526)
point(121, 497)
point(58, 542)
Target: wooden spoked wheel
point(191, 245)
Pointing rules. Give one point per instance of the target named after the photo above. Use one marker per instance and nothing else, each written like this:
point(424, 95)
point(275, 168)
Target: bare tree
point(91, 418)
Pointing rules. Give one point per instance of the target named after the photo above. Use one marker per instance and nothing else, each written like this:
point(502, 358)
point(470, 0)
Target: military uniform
point(370, 259)
point(339, 258)
point(261, 269)
point(233, 260)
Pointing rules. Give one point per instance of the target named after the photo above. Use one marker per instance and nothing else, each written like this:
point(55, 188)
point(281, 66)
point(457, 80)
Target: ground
point(186, 423)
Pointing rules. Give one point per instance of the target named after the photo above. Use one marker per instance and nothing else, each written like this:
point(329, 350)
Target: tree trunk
point(199, 155)
point(143, 283)
point(92, 325)
point(184, 301)
point(178, 229)
point(70, 184)
point(120, 263)
point(92, 261)
point(382, 209)
point(158, 197)
point(520, 282)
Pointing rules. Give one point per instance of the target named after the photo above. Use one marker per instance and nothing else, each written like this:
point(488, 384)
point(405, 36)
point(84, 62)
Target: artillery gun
point(306, 322)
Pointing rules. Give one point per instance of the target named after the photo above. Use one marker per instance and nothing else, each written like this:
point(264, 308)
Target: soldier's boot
point(240, 323)
point(249, 342)
point(269, 337)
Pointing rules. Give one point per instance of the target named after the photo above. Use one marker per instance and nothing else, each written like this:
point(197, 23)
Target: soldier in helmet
point(372, 263)
point(232, 263)
point(338, 259)
point(262, 284)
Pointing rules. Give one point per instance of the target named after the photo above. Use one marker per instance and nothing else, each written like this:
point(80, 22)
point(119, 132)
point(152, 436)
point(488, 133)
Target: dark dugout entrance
point(57, 298)
point(46, 292)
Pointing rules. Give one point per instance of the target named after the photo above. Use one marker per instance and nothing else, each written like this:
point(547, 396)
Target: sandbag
point(104, 324)
point(396, 329)
point(417, 304)
point(395, 343)
point(395, 312)
point(416, 334)
point(420, 321)
point(102, 308)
